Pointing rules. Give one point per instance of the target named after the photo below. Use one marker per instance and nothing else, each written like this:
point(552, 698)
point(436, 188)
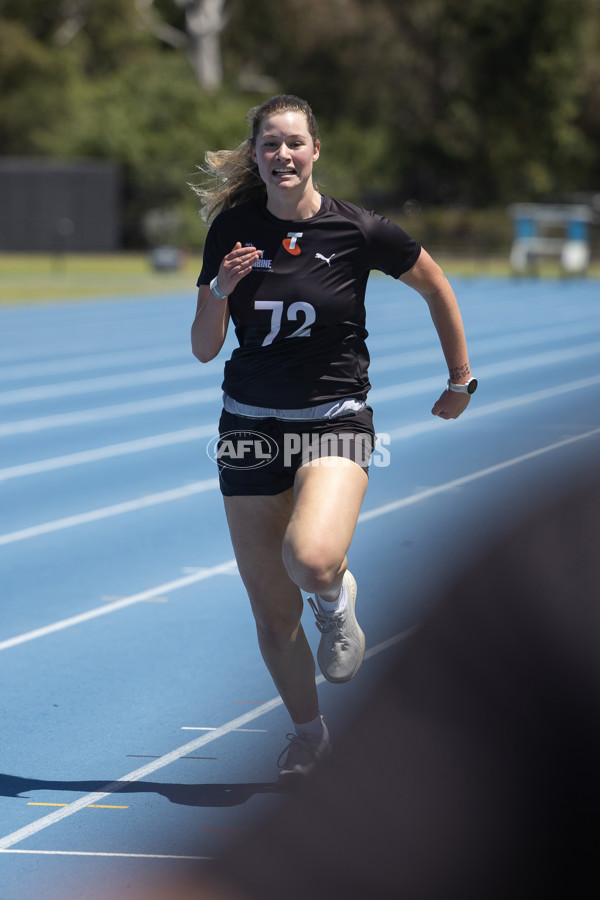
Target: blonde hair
point(232, 175)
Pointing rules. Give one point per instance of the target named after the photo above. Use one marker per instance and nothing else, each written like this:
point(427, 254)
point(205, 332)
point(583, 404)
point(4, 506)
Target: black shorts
point(262, 456)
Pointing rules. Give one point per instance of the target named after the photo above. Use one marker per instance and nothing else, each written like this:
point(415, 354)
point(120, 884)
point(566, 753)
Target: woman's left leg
point(328, 495)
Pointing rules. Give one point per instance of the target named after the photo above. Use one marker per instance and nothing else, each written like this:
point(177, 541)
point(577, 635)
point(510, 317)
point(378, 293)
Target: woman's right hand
point(235, 266)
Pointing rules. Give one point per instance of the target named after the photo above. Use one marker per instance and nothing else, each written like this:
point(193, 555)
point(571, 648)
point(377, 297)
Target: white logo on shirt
point(324, 258)
point(290, 243)
point(261, 262)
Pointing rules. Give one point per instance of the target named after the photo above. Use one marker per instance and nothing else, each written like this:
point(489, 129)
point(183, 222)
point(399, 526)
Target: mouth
point(284, 171)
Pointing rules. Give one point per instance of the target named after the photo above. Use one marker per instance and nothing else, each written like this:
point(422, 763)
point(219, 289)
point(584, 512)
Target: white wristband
point(215, 289)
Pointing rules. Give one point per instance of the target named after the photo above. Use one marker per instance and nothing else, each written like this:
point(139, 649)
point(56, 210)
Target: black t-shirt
point(299, 316)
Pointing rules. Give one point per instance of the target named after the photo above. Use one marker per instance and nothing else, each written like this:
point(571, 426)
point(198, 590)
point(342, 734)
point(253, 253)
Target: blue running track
point(138, 720)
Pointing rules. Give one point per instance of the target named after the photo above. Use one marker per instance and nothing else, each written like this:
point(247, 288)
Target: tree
point(443, 101)
point(33, 82)
point(205, 21)
point(476, 102)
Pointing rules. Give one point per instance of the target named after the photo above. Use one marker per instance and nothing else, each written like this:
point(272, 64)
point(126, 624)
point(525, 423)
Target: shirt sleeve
point(212, 256)
point(391, 249)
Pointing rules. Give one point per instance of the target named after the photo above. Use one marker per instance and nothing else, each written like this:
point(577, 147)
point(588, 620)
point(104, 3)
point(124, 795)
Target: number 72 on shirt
point(293, 311)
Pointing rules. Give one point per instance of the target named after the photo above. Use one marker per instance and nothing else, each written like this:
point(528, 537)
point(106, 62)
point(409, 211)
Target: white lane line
point(474, 476)
point(229, 566)
point(500, 406)
point(479, 345)
point(512, 366)
point(402, 433)
point(69, 364)
point(169, 586)
point(390, 642)
point(86, 456)
point(150, 768)
point(92, 853)
point(175, 373)
point(104, 383)
point(213, 728)
point(114, 411)
point(381, 395)
point(105, 512)
point(548, 358)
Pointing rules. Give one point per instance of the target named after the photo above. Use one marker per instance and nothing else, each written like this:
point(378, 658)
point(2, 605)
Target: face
point(285, 152)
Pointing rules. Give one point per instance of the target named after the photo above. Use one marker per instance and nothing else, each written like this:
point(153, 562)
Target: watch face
point(472, 386)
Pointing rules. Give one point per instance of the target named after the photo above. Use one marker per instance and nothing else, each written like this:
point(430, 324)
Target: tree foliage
point(442, 101)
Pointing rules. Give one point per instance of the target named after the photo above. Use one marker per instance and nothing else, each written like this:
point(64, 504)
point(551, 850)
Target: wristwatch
point(214, 287)
point(468, 388)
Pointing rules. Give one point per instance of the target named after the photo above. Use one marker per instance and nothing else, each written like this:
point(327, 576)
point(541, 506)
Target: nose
point(283, 152)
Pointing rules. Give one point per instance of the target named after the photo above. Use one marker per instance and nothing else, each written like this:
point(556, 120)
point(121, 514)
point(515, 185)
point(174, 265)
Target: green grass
point(35, 278)
point(27, 278)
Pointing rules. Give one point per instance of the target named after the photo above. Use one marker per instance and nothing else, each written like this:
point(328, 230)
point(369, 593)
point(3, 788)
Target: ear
point(317, 151)
point(253, 154)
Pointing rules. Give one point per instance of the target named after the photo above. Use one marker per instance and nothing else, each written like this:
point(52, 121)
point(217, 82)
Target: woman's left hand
point(450, 405)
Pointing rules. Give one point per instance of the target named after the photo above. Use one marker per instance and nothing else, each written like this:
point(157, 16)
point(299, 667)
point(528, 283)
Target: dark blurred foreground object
point(474, 770)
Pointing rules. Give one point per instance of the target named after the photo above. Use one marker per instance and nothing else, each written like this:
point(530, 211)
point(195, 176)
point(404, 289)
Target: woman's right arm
point(209, 327)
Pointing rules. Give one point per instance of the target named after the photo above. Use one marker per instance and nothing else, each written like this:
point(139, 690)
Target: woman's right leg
point(257, 526)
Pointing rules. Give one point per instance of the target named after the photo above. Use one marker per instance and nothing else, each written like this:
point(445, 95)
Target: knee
point(276, 630)
point(276, 622)
point(312, 567)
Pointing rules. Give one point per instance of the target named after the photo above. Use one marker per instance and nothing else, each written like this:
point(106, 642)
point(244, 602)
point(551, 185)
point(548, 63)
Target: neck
point(293, 208)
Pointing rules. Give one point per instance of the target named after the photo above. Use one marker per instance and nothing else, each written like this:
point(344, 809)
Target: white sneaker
point(303, 754)
point(342, 646)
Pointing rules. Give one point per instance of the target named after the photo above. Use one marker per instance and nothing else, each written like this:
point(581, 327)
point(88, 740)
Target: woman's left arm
point(427, 278)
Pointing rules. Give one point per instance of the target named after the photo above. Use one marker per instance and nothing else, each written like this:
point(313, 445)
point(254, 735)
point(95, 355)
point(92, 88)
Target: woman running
point(289, 266)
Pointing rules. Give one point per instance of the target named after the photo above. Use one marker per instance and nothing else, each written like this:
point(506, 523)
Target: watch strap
point(468, 388)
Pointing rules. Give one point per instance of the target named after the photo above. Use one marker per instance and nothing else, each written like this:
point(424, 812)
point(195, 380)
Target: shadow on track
point(209, 795)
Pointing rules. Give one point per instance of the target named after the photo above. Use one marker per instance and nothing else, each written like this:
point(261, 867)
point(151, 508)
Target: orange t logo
point(290, 242)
